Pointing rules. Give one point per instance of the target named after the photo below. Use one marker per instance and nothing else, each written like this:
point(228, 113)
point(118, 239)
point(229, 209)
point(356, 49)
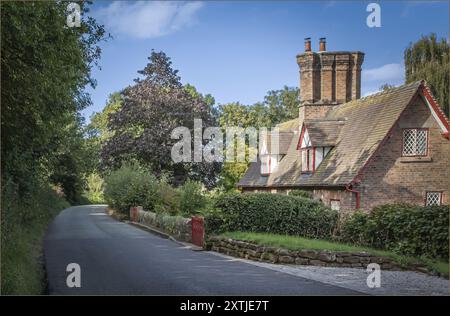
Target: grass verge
point(298, 243)
point(24, 223)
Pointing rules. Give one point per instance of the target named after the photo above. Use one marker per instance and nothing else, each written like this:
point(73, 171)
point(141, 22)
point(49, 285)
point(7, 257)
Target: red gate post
point(133, 213)
point(198, 231)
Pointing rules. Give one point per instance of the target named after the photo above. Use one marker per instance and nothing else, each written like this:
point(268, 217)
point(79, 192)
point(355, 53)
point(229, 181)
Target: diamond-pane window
point(415, 142)
point(434, 198)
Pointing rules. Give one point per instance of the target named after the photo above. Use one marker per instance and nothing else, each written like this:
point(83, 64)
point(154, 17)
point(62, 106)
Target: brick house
point(352, 152)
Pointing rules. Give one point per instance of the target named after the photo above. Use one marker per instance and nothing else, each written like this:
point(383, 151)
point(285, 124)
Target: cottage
point(352, 152)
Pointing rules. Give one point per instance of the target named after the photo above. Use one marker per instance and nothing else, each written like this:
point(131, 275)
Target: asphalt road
point(117, 258)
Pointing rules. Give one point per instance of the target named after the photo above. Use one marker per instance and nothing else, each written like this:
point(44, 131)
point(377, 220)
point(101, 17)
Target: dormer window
point(268, 164)
point(265, 165)
point(312, 155)
point(274, 146)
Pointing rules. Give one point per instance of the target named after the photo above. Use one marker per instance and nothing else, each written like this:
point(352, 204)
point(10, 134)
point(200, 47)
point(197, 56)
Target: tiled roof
point(284, 140)
point(324, 132)
point(367, 122)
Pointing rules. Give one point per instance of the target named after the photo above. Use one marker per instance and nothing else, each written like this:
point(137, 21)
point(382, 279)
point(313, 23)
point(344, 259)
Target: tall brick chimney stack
point(327, 79)
point(322, 44)
point(308, 44)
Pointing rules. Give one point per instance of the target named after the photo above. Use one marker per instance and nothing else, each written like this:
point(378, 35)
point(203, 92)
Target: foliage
point(94, 192)
point(131, 185)
point(45, 69)
point(429, 59)
point(386, 87)
point(24, 220)
point(151, 109)
point(278, 106)
point(97, 132)
point(403, 228)
point(282, 105)
point(278, 214)
point(168, 198)
point(192, 198)
point(301, 193)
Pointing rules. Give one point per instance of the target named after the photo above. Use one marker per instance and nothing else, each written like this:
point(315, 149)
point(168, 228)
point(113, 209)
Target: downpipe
point(357, 195)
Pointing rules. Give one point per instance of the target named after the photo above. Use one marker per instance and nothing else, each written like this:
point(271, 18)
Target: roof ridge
point(390, 90)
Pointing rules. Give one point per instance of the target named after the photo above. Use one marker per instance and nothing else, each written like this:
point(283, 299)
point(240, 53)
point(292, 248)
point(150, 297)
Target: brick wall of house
point(346, 199)
point(390, 178)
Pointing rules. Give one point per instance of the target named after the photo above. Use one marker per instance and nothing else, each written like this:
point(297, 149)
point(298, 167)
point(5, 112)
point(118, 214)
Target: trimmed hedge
point(274, 213)
point(402, 228)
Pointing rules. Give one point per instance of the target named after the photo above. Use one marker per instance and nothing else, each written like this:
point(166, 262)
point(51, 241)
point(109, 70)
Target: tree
point(282, 104)
point(386, 87)
point(278, 106)
point(45, 68)
point(151, 109)
point(429, 59)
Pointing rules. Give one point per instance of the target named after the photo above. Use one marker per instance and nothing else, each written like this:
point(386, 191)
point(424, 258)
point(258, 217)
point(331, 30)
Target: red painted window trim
point(428, 140)
point(441, 201)
point(302, 133)
point(307, 159)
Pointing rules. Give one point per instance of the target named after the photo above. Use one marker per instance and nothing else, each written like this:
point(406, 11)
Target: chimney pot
point(308, 44)
point(322, 45)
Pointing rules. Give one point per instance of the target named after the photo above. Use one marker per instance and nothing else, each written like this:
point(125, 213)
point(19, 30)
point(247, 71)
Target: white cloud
point(147, 19)
point(386, 73)
point(373, 79)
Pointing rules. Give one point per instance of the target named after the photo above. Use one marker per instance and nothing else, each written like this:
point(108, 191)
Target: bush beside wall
point(130, 186)
point(275, 213)
point(402, 228)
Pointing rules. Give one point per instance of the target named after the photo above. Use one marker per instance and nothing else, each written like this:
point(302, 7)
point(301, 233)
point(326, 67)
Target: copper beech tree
point(152, 107)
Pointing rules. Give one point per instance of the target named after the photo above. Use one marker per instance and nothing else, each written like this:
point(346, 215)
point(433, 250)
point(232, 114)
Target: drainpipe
point(358, 197)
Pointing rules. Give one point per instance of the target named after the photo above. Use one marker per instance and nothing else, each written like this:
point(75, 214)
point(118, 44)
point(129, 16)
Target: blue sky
point(239, 50)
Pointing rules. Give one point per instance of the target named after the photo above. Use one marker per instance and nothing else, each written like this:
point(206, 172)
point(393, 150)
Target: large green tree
point(46, 66)
point(151, 109)
point(429, 59)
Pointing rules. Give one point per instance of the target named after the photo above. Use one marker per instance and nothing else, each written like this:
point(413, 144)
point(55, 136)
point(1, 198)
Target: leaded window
point(415, 142)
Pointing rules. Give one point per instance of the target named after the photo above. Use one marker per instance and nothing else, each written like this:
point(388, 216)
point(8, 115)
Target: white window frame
point(432, 196)
point(411, 150)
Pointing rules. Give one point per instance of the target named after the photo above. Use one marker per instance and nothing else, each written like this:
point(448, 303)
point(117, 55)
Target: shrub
point(301, 193)
point(402, 228)
point(214, 222)
point(278, 214)
point(192, 199)
point(129, 186)
point(168, 198)
point(94, 192)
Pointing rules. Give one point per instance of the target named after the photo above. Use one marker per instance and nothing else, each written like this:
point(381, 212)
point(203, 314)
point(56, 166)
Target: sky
point(238, 50)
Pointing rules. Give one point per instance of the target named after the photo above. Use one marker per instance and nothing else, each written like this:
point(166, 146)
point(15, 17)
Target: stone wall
point(178, 227)
point(247, 250)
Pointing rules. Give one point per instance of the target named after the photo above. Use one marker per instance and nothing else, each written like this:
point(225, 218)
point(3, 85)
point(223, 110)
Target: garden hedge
point(402, 228)
point(275, 213)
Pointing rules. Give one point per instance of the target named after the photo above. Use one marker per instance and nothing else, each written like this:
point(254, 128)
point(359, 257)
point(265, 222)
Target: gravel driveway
point(392, 282)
